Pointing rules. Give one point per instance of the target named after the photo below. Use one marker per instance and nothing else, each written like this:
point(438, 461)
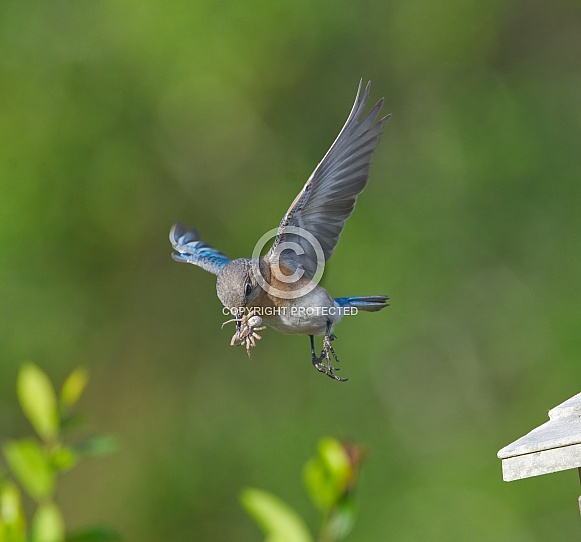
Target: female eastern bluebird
point(282, 286)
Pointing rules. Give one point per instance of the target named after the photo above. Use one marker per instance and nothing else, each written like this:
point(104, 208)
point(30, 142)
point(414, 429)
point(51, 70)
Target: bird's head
point(236, 285)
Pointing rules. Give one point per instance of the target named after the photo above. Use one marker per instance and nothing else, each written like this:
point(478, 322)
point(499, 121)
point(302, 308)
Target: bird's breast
point(307, 315)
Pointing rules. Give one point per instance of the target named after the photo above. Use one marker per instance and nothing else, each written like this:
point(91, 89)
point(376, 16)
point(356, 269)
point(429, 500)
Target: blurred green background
point(118, 118)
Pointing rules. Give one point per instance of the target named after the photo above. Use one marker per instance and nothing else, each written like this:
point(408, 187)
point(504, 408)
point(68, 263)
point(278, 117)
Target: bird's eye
point(248, 289)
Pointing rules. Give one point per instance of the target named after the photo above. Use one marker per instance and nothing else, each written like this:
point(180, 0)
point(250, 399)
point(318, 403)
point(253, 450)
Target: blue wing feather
point(191, 249)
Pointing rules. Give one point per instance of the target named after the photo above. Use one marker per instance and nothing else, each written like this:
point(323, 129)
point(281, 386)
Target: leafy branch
point(330, 479)
point(34, 464)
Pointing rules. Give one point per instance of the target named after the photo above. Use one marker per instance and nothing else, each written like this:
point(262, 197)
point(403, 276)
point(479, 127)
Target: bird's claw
point(326, 353)
point(328, 348)
point(328, 370)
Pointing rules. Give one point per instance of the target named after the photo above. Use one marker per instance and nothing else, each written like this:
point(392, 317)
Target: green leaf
point(277, 519)
point(96, 534)
point(47, 524)
point(30, 466)
point(327, 475)
point(64, 459)
point(38, 400)
point(73, 388)
point(341, 521)
point(12, 522)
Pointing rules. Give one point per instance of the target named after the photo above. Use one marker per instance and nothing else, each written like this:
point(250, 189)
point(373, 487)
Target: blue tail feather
point(369, 303)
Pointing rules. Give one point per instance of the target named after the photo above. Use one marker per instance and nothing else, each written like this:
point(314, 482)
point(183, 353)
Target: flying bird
point(280, 289)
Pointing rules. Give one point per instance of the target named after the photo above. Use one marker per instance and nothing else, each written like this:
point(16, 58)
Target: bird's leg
point(313, 355)
point(327, 346)
point(325, 368)
point(328, 349)
point(331, 350)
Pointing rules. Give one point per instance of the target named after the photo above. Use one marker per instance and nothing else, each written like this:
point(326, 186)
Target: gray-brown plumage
point(328, 197)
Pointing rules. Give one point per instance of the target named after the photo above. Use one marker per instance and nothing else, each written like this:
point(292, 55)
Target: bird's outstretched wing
point(191, 249)
point(328, 197)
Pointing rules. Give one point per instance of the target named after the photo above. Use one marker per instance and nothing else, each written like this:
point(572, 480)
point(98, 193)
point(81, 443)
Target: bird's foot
point(323, 362)
point(328, 347)
point(326, 369)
